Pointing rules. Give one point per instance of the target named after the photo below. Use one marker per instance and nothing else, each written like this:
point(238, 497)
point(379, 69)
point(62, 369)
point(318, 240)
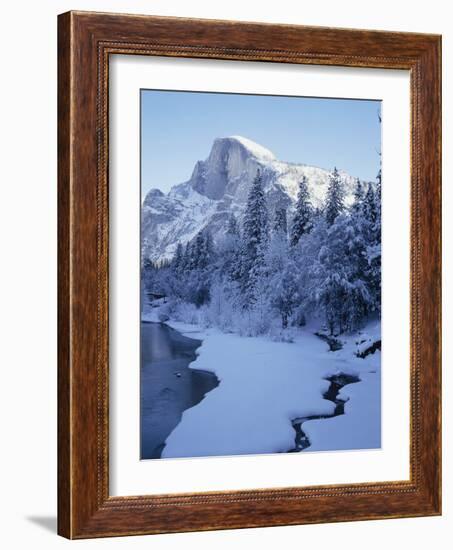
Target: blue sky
point(178, 128)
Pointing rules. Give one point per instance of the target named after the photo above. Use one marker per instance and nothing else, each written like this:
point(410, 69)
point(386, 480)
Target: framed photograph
point(249, 275)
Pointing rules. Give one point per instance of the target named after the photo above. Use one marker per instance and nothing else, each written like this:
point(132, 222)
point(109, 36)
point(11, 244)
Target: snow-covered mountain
point(219, 187)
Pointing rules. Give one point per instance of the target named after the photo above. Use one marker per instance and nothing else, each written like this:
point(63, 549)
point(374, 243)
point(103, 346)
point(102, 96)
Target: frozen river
point(168, 386)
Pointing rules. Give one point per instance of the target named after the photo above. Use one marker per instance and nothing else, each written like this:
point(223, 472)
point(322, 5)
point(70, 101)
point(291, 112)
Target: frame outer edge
point(439, 161)
point(433, 211)
point(427, 276)
point(64, 527)
point(438, 299)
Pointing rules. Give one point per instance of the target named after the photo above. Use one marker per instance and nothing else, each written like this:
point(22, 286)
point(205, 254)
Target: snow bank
point(263, 386)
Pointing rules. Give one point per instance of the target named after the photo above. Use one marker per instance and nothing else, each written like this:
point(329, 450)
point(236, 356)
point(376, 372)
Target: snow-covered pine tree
point(206, 249)
point(147, 274)
point(359, 302)
point(177, 262)
point(209, 244)
point(372, 224)
point(335, 197)
point(189, 257)
point(233, 227)
point(358, 234)
point(277, 251)
point(378, 204)
point(285, 291)
point(303, 213)
point(198, 251)
point(229, 256)
point(358, 197)
point(197, 275)
point(277, 256)
point(255, 240)
point(256, 218)
point(370, 210)
point(280, 221)
point(341, 288)
point(332, 277)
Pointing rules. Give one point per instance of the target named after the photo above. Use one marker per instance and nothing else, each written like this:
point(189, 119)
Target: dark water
point(337, 382)
point(167, 385)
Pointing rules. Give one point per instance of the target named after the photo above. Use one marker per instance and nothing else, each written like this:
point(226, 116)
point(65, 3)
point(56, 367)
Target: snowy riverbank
point(264, 385)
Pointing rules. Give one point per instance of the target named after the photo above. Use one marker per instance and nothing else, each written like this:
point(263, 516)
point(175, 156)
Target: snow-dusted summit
point(219, 187)
point(253, 148)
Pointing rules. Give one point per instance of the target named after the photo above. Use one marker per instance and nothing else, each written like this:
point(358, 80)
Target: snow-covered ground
point(264, 385)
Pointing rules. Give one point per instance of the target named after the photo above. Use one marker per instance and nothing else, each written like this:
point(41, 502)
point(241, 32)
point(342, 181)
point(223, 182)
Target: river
point(167, 385)
point(337, 382)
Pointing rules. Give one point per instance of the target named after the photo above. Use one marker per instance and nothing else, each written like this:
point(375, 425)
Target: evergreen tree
point(198, 251)
point(359, 225)
point(186, 261)
point(303, 213)
point(340, 288)
point(255, 239)
point(209, 247)
point(358, 198)
point(204, 249)
point(177, 263)
point(229, 257)
point(370, 211)
point(305, 254)
point(335, 197)
point(196, 277)
point(277, 252)
point(233, 227)
point(280, 222)
point(372, 235)
point(378, 202)
point(256, 220)
point(285, 292)
point(332, 287)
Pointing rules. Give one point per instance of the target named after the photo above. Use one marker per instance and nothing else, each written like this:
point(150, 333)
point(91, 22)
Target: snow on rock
point(219, 187)
point(368, 341)
point(254, 148)
point(264, 385)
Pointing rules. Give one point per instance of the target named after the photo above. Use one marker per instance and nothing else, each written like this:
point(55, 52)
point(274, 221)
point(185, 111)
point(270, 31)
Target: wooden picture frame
point(85, 42)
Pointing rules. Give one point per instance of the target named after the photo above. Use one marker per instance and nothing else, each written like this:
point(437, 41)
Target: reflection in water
point(167, 385)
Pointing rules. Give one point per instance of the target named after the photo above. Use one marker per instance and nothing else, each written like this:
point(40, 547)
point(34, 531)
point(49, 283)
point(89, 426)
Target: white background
point(28, 271)
point(129, 476)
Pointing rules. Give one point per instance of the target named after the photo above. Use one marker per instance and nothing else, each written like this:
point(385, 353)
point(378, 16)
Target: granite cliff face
point(219, 187)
